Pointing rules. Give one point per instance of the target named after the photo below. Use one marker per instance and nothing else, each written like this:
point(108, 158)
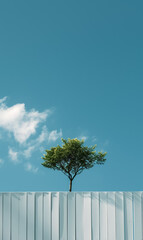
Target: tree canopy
point(72, 158)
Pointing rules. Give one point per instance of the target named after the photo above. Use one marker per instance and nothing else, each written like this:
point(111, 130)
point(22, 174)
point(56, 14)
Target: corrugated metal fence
point(71, 216)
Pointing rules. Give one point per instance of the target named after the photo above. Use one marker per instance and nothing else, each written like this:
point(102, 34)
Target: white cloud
point(18, 121)
point(22, 124)
point(30, 168)
point(13, 156)
point(54, 135)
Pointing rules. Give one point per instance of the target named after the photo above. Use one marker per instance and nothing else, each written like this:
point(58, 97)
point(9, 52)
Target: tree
point(72, 158)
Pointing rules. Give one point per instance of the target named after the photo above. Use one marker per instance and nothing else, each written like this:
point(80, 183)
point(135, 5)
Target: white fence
point(71, 216)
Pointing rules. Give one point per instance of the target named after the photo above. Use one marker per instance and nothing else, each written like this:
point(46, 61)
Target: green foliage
point(72, 158)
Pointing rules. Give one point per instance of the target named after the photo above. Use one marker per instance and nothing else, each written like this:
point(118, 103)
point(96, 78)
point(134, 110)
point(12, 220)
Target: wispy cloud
point(94, 139)
point(28, 152)
point(45, 136)
point(3, 100)
point(33, 145)
point(30, 168)
point(106, 143)
point(54, 135)
point(83, 137)
point(1, 162)
point(13, 155)
point(20, 122)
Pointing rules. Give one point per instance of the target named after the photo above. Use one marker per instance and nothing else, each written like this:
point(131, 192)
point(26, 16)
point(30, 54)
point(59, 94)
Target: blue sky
point(71, 69)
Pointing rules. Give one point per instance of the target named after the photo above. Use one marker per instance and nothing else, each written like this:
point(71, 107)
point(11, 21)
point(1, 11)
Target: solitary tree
point(72, 158)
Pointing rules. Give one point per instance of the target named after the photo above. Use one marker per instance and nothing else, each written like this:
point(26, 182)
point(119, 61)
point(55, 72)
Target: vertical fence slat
point(95, 216)
point(142, 212)
point(15, 216)
point(30, 216)
point(1, 216)
point(6, 216)
point(55, 216)
point(111, 216)
point(137, 216)
point(39, 215)
point(119, 219)
point(103, 216)
point(47, 216)
point(71, 216)
point(22, 216)
point(128, 216)
point(63, 216)
point(87, 216)
point(79, 216)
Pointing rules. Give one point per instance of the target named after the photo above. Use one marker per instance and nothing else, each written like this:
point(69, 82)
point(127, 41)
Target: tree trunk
point(70, 185)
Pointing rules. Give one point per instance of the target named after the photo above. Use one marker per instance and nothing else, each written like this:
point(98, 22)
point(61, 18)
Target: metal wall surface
point(71, 216)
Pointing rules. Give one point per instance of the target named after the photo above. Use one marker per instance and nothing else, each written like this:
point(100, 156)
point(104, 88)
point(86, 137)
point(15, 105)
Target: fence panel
point(71, 216)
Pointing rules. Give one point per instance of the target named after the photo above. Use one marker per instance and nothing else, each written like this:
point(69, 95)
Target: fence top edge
point(71, 192)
